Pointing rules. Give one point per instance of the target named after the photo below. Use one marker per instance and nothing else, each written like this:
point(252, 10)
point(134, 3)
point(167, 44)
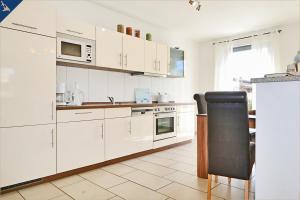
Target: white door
point(162, 58)
point(109, 48)
point(133, 53)
point(185, 126)
point(34, 17)
point(142, 133)
point(117, 138)
point(151, 64)
point(79, 144)
point(28, 77)
point(27, 153)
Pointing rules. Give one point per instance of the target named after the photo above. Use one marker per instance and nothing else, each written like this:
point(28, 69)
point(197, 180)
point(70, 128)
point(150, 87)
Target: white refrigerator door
point(27, 77)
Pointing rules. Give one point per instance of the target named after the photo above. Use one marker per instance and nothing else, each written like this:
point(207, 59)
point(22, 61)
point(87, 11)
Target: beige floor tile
point(154, 169)
point(191, 169)
point(237, 183)
point(132, 191)
point(157, 160)
point(187, 160)
point(148, 180)
point(118, 169)
point(67, 181)
point(41, 192)
point(102, 178)
point(230, 193)
point(181, 192)
point(190, 180)
point(132, 162)
point(64, 197)
point(116, 198)
point(85, 190)
point(164, 154)
point(11, 196)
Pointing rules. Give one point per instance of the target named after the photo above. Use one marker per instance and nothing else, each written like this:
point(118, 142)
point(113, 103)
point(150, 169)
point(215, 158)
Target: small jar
point(129, 31)
point(137, 33)
point(120, 28)
point(149, 37)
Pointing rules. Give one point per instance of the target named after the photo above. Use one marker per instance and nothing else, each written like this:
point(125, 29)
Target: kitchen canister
point(129, 31)
point(137, 33)
point(120, 28)
point(148, 36)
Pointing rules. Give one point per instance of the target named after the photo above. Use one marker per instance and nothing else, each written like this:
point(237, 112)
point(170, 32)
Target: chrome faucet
point(111, 99)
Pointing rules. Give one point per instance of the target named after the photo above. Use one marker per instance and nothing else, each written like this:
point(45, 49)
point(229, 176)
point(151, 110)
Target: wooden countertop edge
point(134, 105)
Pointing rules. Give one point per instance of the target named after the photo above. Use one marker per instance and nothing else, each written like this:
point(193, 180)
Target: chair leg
point(247, 190)
point(209, 187)
point(229, 180)
point(216, 178)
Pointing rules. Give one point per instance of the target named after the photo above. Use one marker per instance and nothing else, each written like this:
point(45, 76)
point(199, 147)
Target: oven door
point(68, 49)
point(164, 126)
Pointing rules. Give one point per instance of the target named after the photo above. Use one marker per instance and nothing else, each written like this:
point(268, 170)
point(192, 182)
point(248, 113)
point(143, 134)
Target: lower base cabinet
point(79, 144)
point(27, 153)
point(185, 126)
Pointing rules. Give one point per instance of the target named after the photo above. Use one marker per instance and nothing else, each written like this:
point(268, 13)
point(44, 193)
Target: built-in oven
point(75, 49)
point(164, 122)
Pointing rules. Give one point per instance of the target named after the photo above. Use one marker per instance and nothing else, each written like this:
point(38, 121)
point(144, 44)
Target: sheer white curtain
point(261, 59)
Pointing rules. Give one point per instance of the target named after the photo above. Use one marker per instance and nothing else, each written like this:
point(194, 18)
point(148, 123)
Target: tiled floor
point(169, 174)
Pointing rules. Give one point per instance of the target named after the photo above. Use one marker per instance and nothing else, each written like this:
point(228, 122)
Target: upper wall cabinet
point(156, 58)
point(109, 48)
point(133, 53)
point(162, 58)
point(75, 28)
point(34, 17)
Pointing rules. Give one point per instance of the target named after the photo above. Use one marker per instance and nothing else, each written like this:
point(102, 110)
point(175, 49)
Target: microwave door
point(71, 50)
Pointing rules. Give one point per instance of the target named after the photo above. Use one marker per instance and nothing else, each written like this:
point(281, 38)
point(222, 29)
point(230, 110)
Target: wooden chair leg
point(216, 179)
point(229, 180)
point(209, 187)
point(247, 190)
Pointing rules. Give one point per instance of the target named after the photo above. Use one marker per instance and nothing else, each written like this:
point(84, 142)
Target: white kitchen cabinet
point(162, 58)
point(79, 144)
point(150, 57)
point(27, 77)
point(133, 53)
point(185, 122)
point(27, 153)
point(32, 16)
point(109, 48)
point(141, 133)
point(118, 137)
point(75, 28)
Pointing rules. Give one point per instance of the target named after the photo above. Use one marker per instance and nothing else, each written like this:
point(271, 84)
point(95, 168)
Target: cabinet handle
point(159, 65)
point(52, 135)
point(121, 59)
point(126, 60)
point(52, 110)
point(71, 31)
point(155, 65)
point(83, 113)
point(102, 134)
point(25, 26)
point(130, 127)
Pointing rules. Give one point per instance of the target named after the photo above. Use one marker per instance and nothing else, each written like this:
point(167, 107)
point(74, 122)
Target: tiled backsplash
point(97, 84)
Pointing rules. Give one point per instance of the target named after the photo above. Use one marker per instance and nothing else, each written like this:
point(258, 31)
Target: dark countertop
point(118, 105)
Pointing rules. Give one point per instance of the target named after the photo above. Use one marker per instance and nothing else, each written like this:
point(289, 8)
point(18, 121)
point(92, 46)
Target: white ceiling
point(216, 19)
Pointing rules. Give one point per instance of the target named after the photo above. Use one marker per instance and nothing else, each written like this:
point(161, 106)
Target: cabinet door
point(141, 133)
point(162, 58)
point(133, 53)
point(150, 57)
point(27, 153)
point(34, 17)
point(27, 77)
point(109, 48)
point(185, 126)
point(75, 28)
point(117, 137)
point(79, 144)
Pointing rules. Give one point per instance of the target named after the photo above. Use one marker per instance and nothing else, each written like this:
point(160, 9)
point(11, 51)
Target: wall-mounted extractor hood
point(147, 74)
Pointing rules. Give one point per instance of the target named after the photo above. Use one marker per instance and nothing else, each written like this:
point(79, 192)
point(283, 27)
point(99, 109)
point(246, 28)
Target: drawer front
point(79, 115)
point(78, 29)
point(185, 108)
point(117, 112)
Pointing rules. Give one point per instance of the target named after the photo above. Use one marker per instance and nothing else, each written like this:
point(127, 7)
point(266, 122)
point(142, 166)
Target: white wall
point(97, 85)
point(289, 45)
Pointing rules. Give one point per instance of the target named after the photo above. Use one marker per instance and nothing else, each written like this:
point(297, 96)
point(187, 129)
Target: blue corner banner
point(7, 6)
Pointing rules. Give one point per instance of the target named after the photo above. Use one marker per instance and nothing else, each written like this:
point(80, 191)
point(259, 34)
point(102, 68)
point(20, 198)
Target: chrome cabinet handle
point(83, 113)
point(159, 65)
point(25, 26)
point(71, 31)
point(155, 61)
point(52, 134)
point(126, 60)
point(102, 134)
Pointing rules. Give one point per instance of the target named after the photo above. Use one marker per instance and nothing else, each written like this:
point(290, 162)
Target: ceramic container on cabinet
point(41, 20)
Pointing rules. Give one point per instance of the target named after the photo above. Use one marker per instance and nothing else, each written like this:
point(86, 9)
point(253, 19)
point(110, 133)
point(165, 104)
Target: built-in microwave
point(75, 49)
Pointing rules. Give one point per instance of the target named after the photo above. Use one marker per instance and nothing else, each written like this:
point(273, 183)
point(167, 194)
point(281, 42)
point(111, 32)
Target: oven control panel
point(164, 109)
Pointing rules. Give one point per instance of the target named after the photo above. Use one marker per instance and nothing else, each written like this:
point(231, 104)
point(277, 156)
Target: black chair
point(201, 103)
point(230, 150)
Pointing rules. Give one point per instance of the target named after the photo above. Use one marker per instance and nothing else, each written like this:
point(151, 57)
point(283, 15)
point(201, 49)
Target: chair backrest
point(201, 103)
point(228, 134)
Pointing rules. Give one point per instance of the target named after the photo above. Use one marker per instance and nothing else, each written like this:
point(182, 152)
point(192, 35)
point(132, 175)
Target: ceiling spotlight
point(195, 3)
point(198, 7)
point(192, 2)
